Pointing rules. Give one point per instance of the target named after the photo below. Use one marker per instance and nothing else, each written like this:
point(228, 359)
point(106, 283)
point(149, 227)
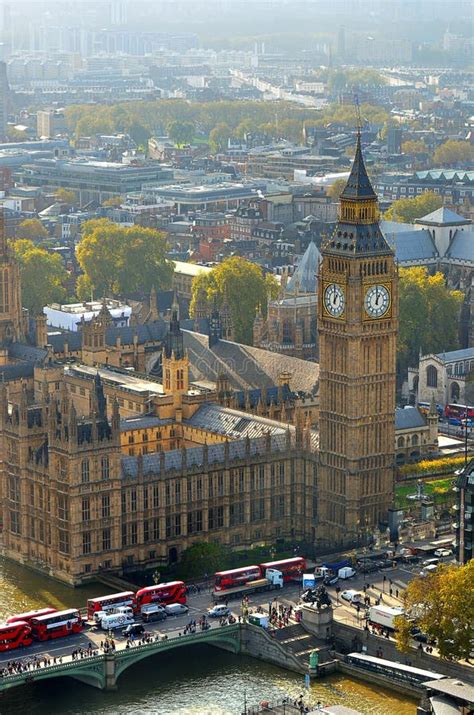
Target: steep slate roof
point(245, 366)
point(233, 423)
point(462, 246)
point(408, 418)
point(442, 217)
point(195, 456)
point(304, 278)
point(453, 355)
point(21, 351)
point(414, 246)
point(358, 184)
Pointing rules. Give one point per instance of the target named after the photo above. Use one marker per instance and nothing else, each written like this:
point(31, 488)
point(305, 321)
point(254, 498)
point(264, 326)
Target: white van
point(125, 610)
point(428, 569)
point(176, 609)
point(116, 620)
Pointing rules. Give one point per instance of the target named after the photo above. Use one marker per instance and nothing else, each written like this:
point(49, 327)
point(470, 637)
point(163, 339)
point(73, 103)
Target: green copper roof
point(358, 184)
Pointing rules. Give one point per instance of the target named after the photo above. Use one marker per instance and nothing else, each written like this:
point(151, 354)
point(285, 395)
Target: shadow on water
point(198, 681)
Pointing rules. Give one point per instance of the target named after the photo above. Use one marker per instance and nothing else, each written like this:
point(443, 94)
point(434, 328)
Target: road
point(199, 603)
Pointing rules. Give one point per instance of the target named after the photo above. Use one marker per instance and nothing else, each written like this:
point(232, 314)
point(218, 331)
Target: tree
point(31, 229)
point(453, 152)
point(219, 136)
point(202, 559)
point(114, 201)
point(139, 133)
point(429, 315)
point(414, 146)
point(122, 260)
point(243, 285)
point(442, 605)
point(336, 188)
point(181, 132)
point(407, 210)
point(66, 196)
point(42, 276)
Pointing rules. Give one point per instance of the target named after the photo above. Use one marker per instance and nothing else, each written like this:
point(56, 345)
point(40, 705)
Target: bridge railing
point(32, 674)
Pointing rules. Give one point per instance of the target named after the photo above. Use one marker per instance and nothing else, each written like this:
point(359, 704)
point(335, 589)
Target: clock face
point(334, 300)
point(377, 301)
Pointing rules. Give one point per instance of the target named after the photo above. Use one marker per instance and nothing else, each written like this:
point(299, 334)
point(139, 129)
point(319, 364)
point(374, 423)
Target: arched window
point(414, 440)
point(455, 392)
point(431, 376)
point(105, 467)
point(401, 442)
point(85, 471)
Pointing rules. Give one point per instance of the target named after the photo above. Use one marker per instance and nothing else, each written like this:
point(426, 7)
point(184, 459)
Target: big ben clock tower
point(358, 322)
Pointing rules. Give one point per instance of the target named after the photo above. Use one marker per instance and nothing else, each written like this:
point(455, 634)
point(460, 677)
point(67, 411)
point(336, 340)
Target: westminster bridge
point(103, 669)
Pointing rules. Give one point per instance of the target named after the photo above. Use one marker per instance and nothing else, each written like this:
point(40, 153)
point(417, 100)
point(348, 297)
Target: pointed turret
point(358, 184)
point(215, 326)
point(173, 344)
point(357, 231)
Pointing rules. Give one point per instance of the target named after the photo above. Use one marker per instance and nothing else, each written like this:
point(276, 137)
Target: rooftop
point(459, 689)
point(304, 278)
point(443, 217)
point(453, 355)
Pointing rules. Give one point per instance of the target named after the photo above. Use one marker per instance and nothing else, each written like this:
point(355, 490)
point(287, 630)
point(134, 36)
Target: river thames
point(199, 681)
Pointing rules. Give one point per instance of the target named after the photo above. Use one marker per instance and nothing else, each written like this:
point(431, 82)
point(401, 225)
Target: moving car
point(354, 597)
point(153, 612)
point(176, 609)
point(443, 552)
point(220, 611)
point(331, 580)
point(134, 629)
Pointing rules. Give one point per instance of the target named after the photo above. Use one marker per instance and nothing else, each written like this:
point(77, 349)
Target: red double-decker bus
point(15, 635)
point(171, 592)
point(236, 577)
point(29, 615)
point(290, 568)
point(105, 603)
point(57, 625)
point(459, 412)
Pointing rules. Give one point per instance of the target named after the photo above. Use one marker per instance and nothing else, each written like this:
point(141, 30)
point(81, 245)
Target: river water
point(199, 681)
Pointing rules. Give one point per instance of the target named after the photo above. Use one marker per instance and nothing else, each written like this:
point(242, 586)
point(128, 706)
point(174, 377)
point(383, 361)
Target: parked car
point(176, 609)
point(418, 635)
point(331, 580)
point(219, 612)
point(134, 629)
point(443, 552)
point(368, 566)
point(153, 612)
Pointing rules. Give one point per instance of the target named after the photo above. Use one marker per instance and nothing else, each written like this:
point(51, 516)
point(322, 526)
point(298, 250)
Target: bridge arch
point(135, 654)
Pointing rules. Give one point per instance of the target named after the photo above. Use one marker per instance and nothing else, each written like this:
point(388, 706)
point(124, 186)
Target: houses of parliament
point(104, 467)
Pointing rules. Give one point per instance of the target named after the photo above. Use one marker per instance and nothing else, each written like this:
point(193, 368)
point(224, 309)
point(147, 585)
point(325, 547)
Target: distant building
point(290, 327)
point(50, 122)
point(93, 180)
point(442, 377)
point(71, 316)
point(4, 90)
point(465, 513)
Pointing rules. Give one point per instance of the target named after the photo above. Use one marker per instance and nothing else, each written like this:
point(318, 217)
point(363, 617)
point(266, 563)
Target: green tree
point(42, 276)
point(31, 229)
point(429, 315)
point(336, 188)
point(181, 132)
point(66, 196)
point(122, 260)
point(407, 210)
point(414, 146)
point(453, 152)
point(219, 136)
point(442, 605)
point(202, 559)
point(139, 133)
point(243, 285)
